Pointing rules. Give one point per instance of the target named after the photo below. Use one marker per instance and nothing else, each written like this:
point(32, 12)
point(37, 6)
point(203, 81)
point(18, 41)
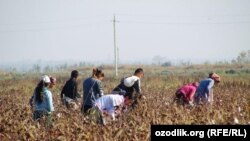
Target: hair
point(39, 91)
point(137, 71)
point(196, 84)
point(210, 75)
point(74, 74)
point(97, 73)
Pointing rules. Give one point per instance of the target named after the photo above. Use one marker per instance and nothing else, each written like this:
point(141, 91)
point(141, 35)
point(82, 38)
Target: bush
point(167, 64)
point(231, 71)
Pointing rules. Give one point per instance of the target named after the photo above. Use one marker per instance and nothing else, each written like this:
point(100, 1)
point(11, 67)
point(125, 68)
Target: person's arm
point(209, 89)
point(137, 86)
point(191, 94)
point(111, 112)
point(50, 102)
point(31, 101)
point(74, 90)
point(62, 94)
point(211, 96)
point(100, 88)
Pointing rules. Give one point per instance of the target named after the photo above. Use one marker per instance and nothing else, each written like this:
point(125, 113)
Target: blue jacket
point(205, 88)
point(92, 90)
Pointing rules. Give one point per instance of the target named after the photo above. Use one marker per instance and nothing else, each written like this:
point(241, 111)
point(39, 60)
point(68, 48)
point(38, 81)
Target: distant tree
point(48, 69)
point(64, 66)
point(243, 58)
point(157, 60)
point(167, 64)
point(185, 63)
point(222, 63)
point(207, 63)
point(234, 61)
point(82, 64)
point(36, 68)
point(13, 70)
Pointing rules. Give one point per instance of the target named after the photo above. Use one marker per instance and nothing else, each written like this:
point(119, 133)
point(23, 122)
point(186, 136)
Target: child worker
point(110, 105)
point(131, 86)
point(69, 93)
point(204, 93)
point(186, 93)
point(43, 101)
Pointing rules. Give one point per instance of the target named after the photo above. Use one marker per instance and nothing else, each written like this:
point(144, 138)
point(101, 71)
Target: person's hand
point(76, 106)
point(78, 103)
point(78, 95)
point(105, 113)
point(117, 113)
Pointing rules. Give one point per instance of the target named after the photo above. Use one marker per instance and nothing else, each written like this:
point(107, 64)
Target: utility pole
point(115, 49)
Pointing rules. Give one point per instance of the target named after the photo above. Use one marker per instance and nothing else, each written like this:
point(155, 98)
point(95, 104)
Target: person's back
point(130, 81)
point(187, 89)
point(46, 104)
point(108, 102)
point(51, 85)
point(69, 90)
point(130, 84)
point(92, 89)
point(69, 93)
point(187, 92)
point(204, 92)
point(43, 101)
point(205, 86)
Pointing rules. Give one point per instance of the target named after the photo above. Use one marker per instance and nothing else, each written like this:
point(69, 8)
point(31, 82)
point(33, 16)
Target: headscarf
point(215, 77)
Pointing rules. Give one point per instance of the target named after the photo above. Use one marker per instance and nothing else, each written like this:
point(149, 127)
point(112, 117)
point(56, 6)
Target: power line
point(54, 21)
point(35, 29)
point(182, 16)
point(143, 22)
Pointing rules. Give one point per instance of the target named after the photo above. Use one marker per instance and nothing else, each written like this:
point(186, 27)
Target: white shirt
point(130, 81)
point(108, 102)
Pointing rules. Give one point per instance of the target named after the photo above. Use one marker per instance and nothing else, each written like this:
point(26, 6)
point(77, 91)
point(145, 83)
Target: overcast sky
point(82, 30)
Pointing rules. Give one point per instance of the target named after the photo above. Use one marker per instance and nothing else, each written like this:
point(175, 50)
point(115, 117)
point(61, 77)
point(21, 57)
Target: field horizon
point(231, 103)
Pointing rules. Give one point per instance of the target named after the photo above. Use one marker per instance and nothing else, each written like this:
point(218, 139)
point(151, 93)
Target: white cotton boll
point(76, 106)
point(166, 103)
point(212, 122)
point(104, 122)
point(113, 116)
point(143, 97)
point(191, 103)
point(239, 109)
point(59, 115)
point(236, 121)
